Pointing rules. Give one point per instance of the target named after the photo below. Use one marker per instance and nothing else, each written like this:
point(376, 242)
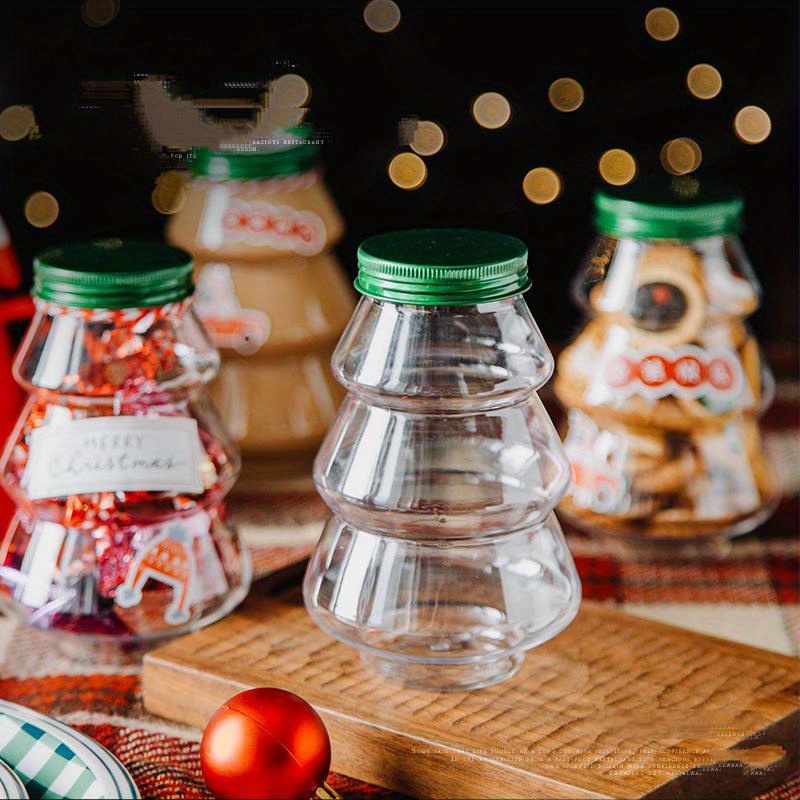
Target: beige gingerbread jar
point(261, 225)
point(665, 385)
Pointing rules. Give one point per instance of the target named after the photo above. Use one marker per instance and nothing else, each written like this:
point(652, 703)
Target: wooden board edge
point(731, 780)
point(361, 750)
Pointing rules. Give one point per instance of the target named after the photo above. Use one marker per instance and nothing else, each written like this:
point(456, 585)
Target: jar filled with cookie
point(261, 225)
point(665, 384)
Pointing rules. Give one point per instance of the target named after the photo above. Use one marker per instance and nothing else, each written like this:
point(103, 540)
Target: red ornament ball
point(265, 743)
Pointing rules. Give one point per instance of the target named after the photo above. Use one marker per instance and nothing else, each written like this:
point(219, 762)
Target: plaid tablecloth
point(750, 595)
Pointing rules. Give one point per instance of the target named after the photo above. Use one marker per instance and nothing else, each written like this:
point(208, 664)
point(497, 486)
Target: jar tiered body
point(664, 389)
point(118, 467)
point(443, 561)
point(274, 299)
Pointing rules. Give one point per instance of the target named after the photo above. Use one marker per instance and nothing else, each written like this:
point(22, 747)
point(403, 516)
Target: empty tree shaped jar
point(443, 561)
point(665, 384)
point(119, 463)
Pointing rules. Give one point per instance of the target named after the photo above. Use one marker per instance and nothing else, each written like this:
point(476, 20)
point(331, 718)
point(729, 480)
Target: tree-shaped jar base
point(452, 614)
point(132, 583)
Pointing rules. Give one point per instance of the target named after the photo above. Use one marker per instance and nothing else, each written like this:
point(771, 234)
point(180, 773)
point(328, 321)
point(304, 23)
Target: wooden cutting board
point(615, 706)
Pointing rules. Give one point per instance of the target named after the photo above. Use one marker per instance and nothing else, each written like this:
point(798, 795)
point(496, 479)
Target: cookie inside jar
point(665, 384)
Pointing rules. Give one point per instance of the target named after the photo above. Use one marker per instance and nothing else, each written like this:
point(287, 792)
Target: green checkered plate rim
point(57, 761)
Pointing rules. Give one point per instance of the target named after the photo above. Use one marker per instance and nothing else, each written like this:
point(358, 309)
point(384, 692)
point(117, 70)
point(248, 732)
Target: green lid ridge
point(442, 266)
point(112, 273)
point(661, 211)
point(300, 154)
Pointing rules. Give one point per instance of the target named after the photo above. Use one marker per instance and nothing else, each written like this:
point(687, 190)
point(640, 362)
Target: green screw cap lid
point(290, 152)
point(442, 267)
point(679, 209)
point(111, 273)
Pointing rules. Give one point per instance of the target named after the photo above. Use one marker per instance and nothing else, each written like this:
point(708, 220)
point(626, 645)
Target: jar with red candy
point(119, 463)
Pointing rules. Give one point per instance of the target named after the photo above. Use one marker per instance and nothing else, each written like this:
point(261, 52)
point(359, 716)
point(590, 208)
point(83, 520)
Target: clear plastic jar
point(665, 384)
point(443, 561)
point(119, 463)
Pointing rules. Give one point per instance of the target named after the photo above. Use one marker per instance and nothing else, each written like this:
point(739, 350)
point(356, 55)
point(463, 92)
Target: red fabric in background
point(12, 309)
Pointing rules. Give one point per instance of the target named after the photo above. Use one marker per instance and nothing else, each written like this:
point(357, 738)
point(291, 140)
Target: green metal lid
point(111, 273)
point(442, 267)
point(290, 152)
point(678, 209)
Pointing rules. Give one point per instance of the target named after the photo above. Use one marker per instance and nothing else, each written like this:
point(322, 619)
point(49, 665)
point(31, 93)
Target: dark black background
point(93, 154)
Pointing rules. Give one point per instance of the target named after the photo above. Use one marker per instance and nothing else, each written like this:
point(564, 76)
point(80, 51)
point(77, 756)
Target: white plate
point(115, 781)
point(11, 787)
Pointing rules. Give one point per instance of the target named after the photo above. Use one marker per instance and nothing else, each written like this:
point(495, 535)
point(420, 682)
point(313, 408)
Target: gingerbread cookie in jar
point(665, 384)
point(261, 226)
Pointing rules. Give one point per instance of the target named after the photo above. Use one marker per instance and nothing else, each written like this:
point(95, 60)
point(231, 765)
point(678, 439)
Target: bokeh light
point(681, 156)
point(289, 91)
point(491, 110)
point(382, 16)
point(704, 81)
point(541, 185)
point(617, 167)
point(408, 171)
point(169, 195)
point(17, 122)
point(752, 124)
point(428, 138)
point(662, 24)
point(97, 13)
point(565, 94)
point(41, 209)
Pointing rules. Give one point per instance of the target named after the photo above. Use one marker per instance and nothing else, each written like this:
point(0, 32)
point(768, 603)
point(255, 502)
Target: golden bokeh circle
point(752, 124)
point(41, 209)
point(408, 171)
point(704, 81)
point(16, 122)
point(491, 110)
point(382, 16)
point(565, 94)
point(169, 195)
point(681, 156)
point(662, 24)
point(428, 138)
point(290, 91)
point(617, 167)
point(541, 185)
point(99, 12)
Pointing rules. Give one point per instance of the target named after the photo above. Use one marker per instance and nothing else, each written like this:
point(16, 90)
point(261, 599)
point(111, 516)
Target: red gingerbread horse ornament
point(167, 558)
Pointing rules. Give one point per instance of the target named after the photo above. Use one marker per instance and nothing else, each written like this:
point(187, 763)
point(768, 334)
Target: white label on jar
point(243, 329)
point(597, 458)
point(111, 454)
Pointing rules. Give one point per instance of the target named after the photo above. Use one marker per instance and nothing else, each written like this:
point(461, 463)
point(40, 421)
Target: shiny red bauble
point(265, 743)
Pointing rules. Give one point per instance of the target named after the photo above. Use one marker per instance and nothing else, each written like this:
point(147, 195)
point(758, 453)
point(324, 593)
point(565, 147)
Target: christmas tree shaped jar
point(665, 384)
point(119, 463)
point(443, 561)
point(260, 224)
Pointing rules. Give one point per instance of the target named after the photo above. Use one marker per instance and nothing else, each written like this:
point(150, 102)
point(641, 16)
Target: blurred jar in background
point(665, 384)
point(260, 225)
